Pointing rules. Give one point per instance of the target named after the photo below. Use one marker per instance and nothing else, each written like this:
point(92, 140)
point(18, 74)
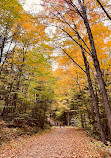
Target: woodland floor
point(65, 142)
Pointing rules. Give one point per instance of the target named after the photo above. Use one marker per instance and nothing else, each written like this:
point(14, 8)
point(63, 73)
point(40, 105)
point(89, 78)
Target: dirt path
point(58, 143)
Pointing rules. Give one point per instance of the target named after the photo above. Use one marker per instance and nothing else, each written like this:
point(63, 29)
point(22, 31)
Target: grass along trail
point(65, 142)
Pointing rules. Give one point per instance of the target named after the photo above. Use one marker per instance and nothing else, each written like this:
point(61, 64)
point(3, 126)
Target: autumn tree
point(26, 86)
point(7, 23)
point(75, 12)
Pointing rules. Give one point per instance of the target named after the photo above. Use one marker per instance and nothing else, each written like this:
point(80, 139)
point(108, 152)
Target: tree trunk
point(95, 100)
point(5, 111)
point(91, 116)
point(82, 122)
point(68, 118)
point(84, 118)
point(97, 68)
point(2, 47)
point(93, 96)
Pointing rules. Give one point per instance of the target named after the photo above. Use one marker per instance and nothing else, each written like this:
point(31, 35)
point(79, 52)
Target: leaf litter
point(65, 142)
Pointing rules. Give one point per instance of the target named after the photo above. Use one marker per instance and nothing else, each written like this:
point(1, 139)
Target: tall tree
point(77, 12)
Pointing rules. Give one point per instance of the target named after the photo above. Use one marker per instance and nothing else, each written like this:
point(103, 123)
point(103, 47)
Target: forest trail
point(58, 143)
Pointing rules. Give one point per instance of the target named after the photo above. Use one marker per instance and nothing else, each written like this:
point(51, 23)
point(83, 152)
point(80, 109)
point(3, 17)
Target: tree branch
point(73, 60)
point(109, 17)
